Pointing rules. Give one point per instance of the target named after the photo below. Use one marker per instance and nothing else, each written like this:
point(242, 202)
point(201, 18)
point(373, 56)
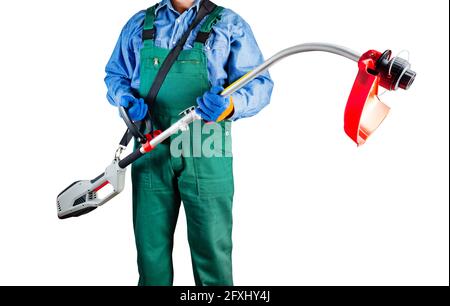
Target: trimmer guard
point(364, 111)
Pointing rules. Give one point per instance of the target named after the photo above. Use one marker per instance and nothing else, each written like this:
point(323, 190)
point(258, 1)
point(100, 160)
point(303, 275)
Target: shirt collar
point(168, 3)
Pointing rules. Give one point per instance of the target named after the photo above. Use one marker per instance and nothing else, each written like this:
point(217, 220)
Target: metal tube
point(310, 47)
point(179, 125)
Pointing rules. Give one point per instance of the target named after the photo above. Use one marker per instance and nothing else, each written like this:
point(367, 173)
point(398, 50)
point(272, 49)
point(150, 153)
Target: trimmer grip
point(228, 112)
point(130, 159)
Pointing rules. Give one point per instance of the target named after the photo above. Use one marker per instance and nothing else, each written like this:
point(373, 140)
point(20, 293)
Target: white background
point(310, 207)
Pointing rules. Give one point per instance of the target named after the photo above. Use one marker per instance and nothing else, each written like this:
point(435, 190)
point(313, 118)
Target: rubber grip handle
point(128, 160)
point(131, 125)
point(228, 112)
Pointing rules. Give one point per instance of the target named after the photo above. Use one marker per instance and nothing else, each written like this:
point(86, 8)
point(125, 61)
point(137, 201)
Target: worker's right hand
point(137, 108)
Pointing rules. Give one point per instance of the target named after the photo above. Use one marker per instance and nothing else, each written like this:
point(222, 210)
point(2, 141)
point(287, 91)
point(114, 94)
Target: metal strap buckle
point(119, 152)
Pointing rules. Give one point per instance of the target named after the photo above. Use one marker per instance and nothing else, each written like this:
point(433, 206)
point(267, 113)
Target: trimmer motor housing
point(364, 111)
point(83, 197)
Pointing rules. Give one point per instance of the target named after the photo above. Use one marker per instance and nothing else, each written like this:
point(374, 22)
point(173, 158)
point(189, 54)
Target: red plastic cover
point(365, 112)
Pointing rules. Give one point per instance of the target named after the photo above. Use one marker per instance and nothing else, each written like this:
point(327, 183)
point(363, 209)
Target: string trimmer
point(363, 114)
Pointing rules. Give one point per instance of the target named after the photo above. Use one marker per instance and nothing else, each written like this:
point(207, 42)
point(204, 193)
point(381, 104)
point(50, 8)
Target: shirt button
point(178, 21)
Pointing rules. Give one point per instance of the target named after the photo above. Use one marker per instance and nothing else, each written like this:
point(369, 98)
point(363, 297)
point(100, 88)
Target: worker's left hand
point(213, 107)
point(137, 108)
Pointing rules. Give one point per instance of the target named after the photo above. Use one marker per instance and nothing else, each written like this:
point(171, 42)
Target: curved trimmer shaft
point(310, 47)
point(192, 116)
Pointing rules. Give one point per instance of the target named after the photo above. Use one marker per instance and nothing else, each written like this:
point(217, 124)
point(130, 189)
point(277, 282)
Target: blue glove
point(138, 109)
point(213, 107)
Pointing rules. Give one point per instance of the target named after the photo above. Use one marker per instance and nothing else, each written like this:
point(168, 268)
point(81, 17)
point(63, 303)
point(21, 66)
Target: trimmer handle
point(134, 130)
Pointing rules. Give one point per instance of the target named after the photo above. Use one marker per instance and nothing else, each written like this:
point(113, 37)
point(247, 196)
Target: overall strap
point(148, 34)
point(149, 30)
point(207, 26)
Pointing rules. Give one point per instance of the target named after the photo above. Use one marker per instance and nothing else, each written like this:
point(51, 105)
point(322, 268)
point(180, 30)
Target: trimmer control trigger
point(185, 127)
point(187, 111)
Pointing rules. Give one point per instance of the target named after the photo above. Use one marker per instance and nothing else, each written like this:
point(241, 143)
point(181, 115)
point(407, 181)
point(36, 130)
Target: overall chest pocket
point(190, 63)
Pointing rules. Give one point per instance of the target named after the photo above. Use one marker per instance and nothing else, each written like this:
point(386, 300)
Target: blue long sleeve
point(232, 51)
point(121, 68)
point(243, 57)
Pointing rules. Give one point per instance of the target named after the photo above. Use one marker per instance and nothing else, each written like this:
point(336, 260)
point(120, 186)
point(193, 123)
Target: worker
point(218, 51)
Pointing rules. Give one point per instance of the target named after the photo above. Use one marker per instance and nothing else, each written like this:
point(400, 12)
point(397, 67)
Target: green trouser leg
point(155, 211)
point(208, 205)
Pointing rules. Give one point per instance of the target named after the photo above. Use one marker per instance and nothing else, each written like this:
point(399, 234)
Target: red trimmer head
point(365, 112)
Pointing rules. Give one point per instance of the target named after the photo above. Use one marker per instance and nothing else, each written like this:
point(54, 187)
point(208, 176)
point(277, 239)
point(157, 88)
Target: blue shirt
point(231, 50)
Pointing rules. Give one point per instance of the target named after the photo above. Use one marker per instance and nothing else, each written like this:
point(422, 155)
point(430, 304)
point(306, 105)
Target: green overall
point(161, 181)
